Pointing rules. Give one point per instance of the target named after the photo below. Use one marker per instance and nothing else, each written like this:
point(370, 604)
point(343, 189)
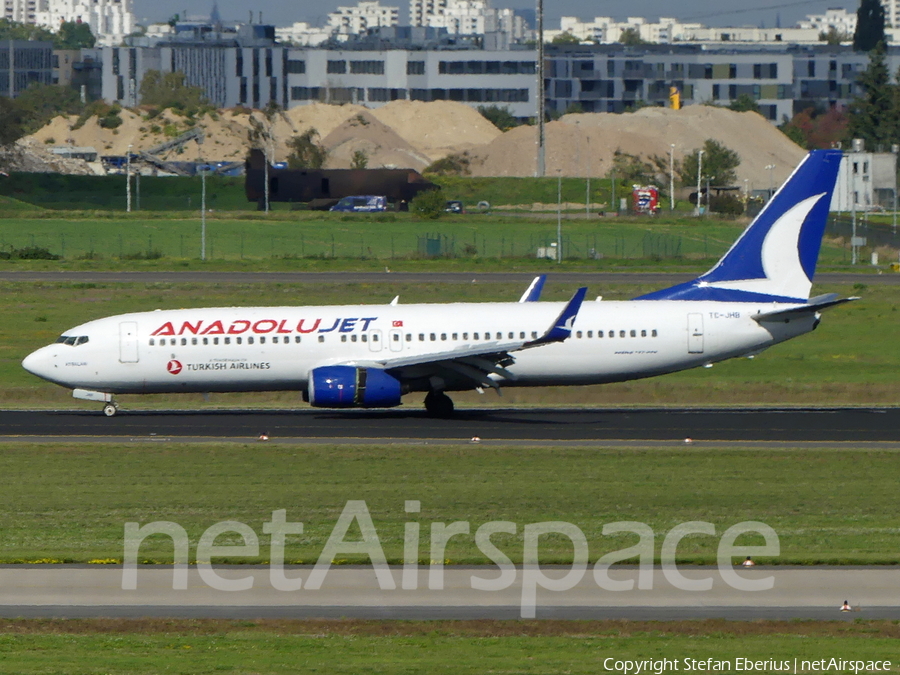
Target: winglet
point(533, 292)
point(562, 327)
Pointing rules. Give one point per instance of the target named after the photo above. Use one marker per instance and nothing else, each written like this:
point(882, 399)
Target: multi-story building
point(32, 62)
point(366, 15)
point(783, 81)
point(110, 20)
point(302, 34)
point(23, 11)
point(840, 20)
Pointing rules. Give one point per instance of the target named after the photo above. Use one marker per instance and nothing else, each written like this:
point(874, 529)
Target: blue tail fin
point(774, 260)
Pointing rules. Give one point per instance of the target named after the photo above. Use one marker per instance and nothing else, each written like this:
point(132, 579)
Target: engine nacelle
point(350, 387)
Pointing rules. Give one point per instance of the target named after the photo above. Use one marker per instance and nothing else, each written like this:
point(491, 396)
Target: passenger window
point(433, 337)
point(621, 333)
point(612, 333)
point(511, 335)
point(653, 333)
point(321, 338)
point(250, 340)
point(534, 335)
point(634, 333)
point(409, 337)
point(238, 340)
point(343, 338)
point(227, 341)
point(522, 335)
point(151, 342)
point(599, 333)
point(352, 338)
point(474, 336)
point(421, 337)
point(396, 337)
point(206, 340)
point(643, 333)
point(499, 336)
point(443, 336)
point(578, 334)
point(590, 333)
point(456, 336)
point(262, 340)
point(374, 338)
point(194, 341)
point(297, 339)
point(465, 336)
point(215, 341)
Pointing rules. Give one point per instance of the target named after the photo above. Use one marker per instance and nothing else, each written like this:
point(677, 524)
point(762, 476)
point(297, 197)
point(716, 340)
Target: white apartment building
point(366, 14)
point(23, 11)
point(301, 34)
point(606, 30)
point(110, 20)
point(839, 19)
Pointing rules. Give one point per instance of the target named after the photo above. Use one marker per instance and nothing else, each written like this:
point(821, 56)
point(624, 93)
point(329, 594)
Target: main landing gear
point(438, 404)
point(110, 409)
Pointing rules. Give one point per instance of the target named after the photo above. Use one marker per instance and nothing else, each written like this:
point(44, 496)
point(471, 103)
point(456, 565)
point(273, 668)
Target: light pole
point(771, 168)
point(203, 213)
point(672, 177)
point(699, 173)
point(559, 216)
point(128, 180)
point(587, 199)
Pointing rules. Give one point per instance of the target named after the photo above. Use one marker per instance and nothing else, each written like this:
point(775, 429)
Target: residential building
point(110, 20)
point(302, 34)
point(23, 11)
point(358, 19)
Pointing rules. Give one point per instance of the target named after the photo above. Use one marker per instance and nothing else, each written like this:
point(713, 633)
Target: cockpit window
point(72, 340)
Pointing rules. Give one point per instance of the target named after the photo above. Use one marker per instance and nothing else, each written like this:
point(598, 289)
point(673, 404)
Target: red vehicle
point(645, 199)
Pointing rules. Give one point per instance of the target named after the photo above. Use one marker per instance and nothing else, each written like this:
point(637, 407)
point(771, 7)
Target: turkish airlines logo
point(174, 367)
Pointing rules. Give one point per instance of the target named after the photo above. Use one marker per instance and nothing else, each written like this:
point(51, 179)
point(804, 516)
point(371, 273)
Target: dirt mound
point(383, 146)
point(438, 128)
point(582, 143)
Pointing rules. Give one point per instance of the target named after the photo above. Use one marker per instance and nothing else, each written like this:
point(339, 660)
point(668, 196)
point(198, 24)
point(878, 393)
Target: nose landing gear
point(438, 404)
point(110, 409)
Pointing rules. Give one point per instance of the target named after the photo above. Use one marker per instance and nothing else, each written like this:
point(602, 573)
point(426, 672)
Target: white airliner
point(371, 355)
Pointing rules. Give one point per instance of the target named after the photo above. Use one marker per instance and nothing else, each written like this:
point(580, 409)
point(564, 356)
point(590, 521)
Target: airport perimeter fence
point(250, 243)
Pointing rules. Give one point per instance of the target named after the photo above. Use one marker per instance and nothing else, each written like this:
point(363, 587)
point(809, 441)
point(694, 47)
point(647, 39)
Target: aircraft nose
point(39, 363)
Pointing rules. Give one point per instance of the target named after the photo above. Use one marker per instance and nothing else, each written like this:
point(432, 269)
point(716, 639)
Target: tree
point(11, 128)
point(359, 160)
point(813, 128)
point(833, 36)
point(74, 35)
point(565, 38)
point(170, 90)
point(869, 25)
point(631, 36)
point(501, 118)
point(428, 204)
point(744, 103)
point(13, 30)
point(40, 103)
point(874, 115)
point(305, 152)
point(719, 164)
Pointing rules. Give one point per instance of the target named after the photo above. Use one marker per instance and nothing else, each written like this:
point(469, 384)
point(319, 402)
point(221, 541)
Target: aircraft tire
point(438, 404)
point(110, 409)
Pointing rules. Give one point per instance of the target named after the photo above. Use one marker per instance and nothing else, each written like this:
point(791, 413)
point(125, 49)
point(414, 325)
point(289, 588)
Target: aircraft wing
point(475, 362)
point(814, 305)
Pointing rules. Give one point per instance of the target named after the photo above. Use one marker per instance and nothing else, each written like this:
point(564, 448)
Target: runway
point(77, 591)
point(593, 279)
point(585, 426)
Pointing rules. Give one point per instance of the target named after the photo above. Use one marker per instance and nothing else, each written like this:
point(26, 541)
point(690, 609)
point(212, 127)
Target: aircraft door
point(396, 340)
point(128, 346)
point(374, 340)
point(695, 333)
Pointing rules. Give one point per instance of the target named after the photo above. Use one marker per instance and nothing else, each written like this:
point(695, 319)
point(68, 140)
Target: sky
point(722, 13)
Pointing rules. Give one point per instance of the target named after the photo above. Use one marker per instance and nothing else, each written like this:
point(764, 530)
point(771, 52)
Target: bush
point(726, 204)
point(428, 204)
point(28, 253)
point(451, 165)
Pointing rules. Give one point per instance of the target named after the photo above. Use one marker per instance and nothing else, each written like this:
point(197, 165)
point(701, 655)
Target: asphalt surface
point(790, 425)
point(69, 591)
point(663, 279)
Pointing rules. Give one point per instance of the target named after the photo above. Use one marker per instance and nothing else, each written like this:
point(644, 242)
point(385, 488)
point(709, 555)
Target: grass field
point(851, 359)
point(546, 647)
point(69, 502)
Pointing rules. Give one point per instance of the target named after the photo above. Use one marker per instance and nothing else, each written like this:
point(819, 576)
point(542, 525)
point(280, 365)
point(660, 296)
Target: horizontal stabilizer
point(816, 304)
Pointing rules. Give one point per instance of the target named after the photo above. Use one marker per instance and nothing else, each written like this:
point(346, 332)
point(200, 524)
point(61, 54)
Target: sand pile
point(381, 144)
point(412, 134)
point(439, 128)
point(582, 143)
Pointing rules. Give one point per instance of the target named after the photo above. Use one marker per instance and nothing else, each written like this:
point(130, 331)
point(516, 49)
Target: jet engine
point(351, 387)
